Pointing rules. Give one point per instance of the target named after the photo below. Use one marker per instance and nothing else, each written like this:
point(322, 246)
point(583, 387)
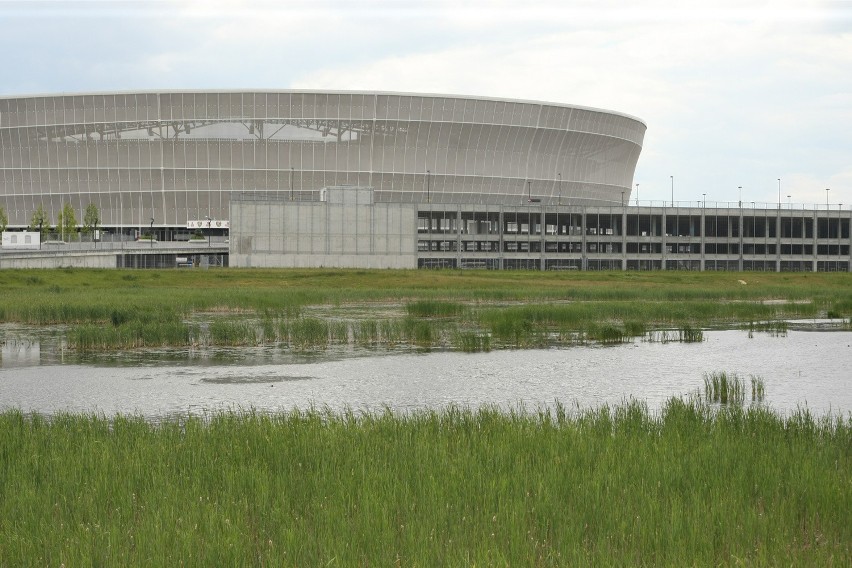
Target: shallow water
point(803, 368)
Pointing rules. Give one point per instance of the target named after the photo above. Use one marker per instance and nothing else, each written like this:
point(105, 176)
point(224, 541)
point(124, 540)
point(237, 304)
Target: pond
point(801, 368)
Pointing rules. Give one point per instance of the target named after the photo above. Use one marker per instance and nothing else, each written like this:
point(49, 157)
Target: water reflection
point(802, 368)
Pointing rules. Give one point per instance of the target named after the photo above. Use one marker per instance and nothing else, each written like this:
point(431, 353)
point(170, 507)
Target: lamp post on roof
point(672, 190)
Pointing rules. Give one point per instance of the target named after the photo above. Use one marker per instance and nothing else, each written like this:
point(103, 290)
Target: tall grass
point(730, 389)
point(517, 310)
point(608, 486)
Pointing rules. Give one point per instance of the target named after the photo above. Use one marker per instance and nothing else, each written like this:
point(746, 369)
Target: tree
point(39, 221)
point(66, 223)
point(91, 219)
point(4, 220)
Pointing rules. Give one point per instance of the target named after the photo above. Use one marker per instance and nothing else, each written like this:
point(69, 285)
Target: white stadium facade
point(177, 156)
point(373, 179)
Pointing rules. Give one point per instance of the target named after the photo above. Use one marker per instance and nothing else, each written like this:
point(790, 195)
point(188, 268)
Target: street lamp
point(672, 190)
point(152, 232)
point(704, 195)
point(789, 203)
point(40, 222)
point(622, 199)
point(637, 195)
point(779, 193)
point(741, 195)
point(208, 231)
point(826, 197)
point(428, 186)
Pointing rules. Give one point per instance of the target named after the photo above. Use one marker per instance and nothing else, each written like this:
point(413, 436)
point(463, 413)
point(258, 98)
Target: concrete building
point(351, 230)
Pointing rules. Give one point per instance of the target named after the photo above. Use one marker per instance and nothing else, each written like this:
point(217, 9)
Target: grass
point(513, 309)
point(730, 389)
point(608, 486)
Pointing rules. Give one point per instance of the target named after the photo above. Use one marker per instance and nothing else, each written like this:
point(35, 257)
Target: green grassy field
point(473, 310)
point(613, 486)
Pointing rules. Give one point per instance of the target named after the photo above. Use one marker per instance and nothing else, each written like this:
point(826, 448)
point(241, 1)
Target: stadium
point(169, 158)
point(369, 180)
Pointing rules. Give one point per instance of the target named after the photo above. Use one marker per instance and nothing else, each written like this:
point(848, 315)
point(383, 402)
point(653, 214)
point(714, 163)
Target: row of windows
point(748, 249)
point(631, 264)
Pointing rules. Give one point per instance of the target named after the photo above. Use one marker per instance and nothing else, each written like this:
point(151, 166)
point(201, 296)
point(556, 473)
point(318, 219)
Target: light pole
point(529, 191)
point(826, 197)
point(741, 195)
point(637, 195)
point(779, 193)
point(672, 190)
point(622, 199)
point(208, 231)
point(428, 186)
point(152, 232)
point(704, 195)
point(789, 203)
point(40, 223)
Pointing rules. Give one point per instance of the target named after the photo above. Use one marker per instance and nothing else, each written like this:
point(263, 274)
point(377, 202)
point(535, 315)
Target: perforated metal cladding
point(176, 156)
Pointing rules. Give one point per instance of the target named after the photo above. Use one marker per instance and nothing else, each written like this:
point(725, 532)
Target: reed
point(233, 333)
point(722, 388)
point(309, 334)
point(775, 328)
point(133, 335)
point(471, 341)
point(607, 486)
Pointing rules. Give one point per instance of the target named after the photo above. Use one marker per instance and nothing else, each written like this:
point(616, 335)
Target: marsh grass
point(133, 335)
point(722, 388)
point(516, 310)
point(233, 333)
point(774, 328)
point(309, 333)
point(471, 341)
point(618, 485)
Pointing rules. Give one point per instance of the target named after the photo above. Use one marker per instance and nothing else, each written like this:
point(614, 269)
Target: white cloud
point(737, 92)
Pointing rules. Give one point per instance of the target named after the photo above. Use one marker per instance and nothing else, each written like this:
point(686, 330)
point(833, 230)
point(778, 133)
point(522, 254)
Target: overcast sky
point(734, 93)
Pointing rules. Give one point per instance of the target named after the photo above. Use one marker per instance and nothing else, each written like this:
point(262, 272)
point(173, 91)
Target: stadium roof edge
point(321, 91)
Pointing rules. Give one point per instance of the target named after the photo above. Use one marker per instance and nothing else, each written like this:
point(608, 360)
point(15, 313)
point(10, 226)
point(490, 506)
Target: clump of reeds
point(309, 333)
point(471, 341)
point(232, 333)
point(730, 389)
point(722, 388)
point(689, 334)
point(758, 389)
point(606, 334)
point(775, 328)
point(132, 335)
